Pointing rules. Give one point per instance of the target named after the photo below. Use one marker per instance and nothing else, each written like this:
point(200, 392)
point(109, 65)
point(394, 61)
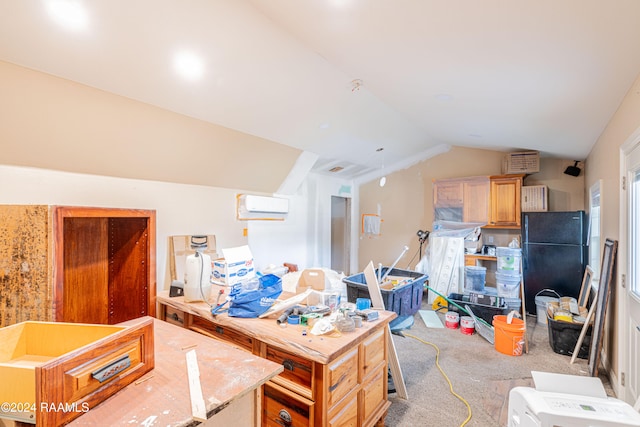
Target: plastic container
point(508, 338)
point(508, 286)
point(197, 278)
point(474, 278)
point(563, 337)
point(508, 261)
point(467, 325)
point(513, 304)
point(404, 300)
point(541, 304)
point(485, 312)
point(452, 320)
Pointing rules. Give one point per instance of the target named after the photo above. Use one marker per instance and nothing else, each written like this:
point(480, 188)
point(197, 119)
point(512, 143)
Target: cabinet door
point(505, 202)
point(448, 193)
point(476, 201)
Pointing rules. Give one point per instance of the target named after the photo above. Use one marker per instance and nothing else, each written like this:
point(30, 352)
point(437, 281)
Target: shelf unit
point(76, 264)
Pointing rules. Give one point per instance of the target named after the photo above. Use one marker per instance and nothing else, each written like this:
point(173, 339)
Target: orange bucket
point(508, 338)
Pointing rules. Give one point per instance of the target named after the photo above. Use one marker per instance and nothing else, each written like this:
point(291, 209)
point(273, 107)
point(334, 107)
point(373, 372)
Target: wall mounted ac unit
point(521, 162)
point(261, 207)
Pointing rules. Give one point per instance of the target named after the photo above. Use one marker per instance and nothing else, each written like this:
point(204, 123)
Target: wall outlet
point(490, 239)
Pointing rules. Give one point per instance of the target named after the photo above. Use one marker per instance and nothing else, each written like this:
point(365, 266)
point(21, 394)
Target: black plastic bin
point(485, 312)
point(563, 337)
point(404, 300)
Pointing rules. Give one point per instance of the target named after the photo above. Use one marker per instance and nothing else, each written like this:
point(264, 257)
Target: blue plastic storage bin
point(404, 300)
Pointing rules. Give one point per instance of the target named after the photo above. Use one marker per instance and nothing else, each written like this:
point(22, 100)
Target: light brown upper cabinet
point(462, 199)
point(505, 201)
point(490, 200)
point(76, 264)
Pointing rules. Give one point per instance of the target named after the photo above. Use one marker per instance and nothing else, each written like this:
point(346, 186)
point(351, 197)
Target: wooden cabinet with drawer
point(326, 381)
point(45, 365)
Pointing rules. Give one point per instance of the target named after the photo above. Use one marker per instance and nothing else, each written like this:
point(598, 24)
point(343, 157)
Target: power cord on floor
point(444, 375)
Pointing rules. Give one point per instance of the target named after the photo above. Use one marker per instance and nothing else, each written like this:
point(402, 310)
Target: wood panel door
point(505, 202)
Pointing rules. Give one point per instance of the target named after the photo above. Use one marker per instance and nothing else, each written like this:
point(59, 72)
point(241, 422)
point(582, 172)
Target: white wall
point(180, 209)
point(304, 238)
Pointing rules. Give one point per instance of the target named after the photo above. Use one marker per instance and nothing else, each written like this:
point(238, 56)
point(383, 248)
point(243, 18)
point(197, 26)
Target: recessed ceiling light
point(71, 14)
point(444, 97)
point(324, 125)
point(189, 65)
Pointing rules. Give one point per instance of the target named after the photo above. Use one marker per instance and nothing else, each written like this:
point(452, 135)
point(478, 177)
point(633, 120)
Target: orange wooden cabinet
point(326, 382)
point(53, 372)
point(505, 201)
point(76, 264)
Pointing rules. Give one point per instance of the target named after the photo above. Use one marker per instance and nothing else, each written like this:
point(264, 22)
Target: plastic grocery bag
point(248, 303)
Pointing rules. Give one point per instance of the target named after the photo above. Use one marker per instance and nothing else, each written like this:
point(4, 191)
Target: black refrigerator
point(554, 253)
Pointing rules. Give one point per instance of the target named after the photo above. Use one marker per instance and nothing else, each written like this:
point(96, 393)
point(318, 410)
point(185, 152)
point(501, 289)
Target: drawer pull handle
point(285, 417)
point(219, 330)
point(288, 364)
point(107, 372)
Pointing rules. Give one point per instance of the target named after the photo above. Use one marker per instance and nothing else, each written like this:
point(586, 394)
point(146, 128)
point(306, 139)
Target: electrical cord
point(444, 375)
point(201, 277)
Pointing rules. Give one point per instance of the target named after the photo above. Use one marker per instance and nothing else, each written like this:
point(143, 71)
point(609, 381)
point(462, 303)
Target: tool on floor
point(480, 320)
point(483, 329)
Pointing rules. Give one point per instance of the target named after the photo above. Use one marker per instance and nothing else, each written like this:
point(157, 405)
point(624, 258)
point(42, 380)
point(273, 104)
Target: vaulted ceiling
point(343, 78)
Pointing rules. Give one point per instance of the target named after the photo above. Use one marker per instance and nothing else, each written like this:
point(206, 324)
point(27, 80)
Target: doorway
point(340, 234)
point(629, 339)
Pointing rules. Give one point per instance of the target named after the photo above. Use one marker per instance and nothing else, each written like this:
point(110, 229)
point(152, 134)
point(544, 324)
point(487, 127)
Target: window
point(594, 232)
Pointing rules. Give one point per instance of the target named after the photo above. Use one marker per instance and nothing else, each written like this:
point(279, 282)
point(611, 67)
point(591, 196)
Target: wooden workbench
point(327, 380)
point(230, 378)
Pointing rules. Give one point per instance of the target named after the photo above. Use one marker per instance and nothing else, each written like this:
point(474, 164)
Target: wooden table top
point(292, 338)
point(161, 397)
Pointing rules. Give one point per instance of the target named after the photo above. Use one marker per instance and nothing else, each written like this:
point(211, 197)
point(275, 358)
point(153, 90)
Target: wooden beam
point(377, 302)
point(198, 408)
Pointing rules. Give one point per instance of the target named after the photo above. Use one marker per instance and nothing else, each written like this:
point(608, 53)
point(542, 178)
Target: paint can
point(467, 325)
point(451, 319)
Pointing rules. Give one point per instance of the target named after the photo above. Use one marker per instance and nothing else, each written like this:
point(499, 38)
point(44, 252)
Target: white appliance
point(567, 401)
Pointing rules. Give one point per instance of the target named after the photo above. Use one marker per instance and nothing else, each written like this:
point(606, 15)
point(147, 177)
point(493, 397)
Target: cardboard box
point(236, 266)
point(313, 278)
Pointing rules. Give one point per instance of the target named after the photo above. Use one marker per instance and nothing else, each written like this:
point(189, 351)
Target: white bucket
point(508, 260)
point(508, 286)
point(541, 304)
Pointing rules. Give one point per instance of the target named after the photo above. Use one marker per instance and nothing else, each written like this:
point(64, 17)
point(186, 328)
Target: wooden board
point(198, 408)
point(604, 289)
point(377, 302)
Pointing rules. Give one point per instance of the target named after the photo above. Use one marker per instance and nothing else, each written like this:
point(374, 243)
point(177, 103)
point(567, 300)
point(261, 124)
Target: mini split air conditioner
point(262, 207)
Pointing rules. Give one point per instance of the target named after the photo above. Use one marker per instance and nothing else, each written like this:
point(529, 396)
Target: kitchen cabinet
point(327, 380)
point(494, 200)
point(76, 264)
point(505, 205)
point(462, 199)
